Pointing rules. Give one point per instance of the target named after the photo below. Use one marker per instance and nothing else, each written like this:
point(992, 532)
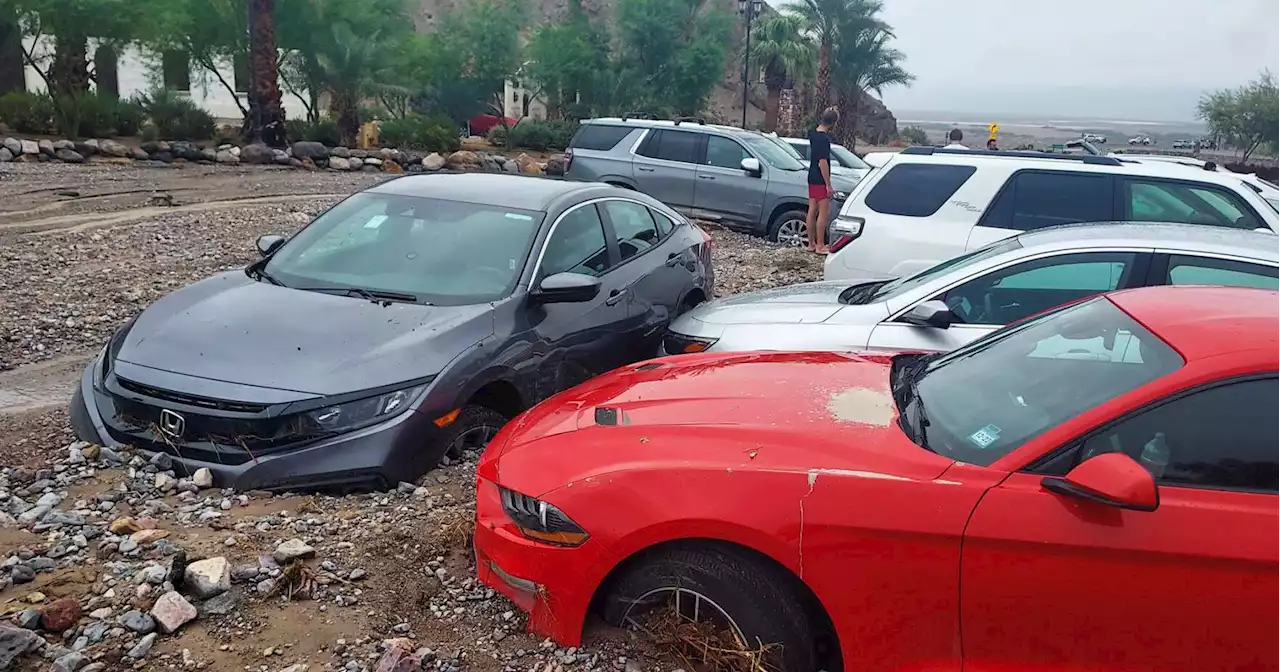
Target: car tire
point(782, 228)
point(756, 598)
point(474, 427)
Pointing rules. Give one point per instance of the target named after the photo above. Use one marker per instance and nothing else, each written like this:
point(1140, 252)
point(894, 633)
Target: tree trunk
point(346, 108)
point(266, 111)
point(772, 103)
point(822, 91)
point(70, 70)
point(12, 74)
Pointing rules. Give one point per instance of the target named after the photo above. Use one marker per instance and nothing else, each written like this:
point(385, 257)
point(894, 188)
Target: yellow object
point(368, 136)
point(994, 129)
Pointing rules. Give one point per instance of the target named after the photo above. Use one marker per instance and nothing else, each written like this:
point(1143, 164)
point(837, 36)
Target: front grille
point(190, 400)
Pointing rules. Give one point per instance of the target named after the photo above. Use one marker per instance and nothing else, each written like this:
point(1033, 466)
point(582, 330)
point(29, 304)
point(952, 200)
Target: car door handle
point(706, 177)
point(615, 296)
point(645, 169)
point(673, 259)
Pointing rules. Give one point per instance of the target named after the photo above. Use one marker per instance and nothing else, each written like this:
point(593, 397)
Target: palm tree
point(826, 20)
point(786, 54)
point(266, 113)
point(864, 61)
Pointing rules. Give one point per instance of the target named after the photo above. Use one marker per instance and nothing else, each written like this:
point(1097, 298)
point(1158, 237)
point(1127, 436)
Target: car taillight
point(568, 160)
point(845, 230)
point(706, 237)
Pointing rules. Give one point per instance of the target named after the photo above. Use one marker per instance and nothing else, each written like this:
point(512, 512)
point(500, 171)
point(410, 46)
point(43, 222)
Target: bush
point(176, 117)
point(914, 135)
point(535, 134)
point(28, 112)
point(432, 134)
point(128, 116)
point(324, 131)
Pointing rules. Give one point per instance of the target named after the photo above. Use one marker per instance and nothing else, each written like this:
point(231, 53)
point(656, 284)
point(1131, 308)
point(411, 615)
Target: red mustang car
point(1092, 489)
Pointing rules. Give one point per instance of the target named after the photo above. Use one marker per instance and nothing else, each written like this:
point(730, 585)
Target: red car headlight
point(541, 521)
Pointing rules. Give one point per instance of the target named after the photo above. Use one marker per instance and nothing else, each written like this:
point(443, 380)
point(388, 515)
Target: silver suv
point(741, 179)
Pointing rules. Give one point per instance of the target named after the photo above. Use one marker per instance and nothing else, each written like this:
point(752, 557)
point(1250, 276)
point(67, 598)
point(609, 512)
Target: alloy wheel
point(475, 438)
point(793, 232)
point(689, 605)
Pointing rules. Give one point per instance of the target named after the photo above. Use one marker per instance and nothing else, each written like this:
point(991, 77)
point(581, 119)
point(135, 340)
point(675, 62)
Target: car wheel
point(718, 593)
point(789, 228)
point(474, 427)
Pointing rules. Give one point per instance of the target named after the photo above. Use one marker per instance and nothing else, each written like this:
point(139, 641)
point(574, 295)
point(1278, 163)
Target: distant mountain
point(1136, 103)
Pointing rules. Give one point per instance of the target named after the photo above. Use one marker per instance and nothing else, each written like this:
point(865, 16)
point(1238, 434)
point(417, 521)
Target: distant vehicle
point(1141, 140)
point(741, 179)
point(1183, 144)
point(843, 161)
point(1094, 138)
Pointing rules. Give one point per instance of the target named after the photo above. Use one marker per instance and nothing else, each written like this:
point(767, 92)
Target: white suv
point(927, 205)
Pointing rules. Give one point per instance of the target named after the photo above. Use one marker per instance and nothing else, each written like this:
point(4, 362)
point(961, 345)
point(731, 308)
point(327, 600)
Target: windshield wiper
point(859, 294)
point(905, 388)
point(374, 295)
point(261, 274)
point(922, 423)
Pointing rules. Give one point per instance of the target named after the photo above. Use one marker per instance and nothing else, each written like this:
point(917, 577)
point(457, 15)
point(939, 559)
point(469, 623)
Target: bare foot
point(824, 250)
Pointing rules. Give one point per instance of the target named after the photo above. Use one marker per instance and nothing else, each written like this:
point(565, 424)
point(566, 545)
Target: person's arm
point(825, 166)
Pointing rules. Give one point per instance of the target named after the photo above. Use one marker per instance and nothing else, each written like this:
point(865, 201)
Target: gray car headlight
point(354, 414)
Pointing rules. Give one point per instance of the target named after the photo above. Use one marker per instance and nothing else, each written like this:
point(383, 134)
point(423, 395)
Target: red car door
point(1055, 582)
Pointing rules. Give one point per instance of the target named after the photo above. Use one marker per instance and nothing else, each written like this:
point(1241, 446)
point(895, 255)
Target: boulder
point(46, 147)
point(256, 153)
point(391, 167)
point(30, 147)
point(556, 165)
point(15, 643)
point(155, 147)
point(307, 149)
point(340, 152)
point(373, 161)
point(208, 154)
point(528, 165)
point(280, 158)
point(186, 150)
point(5, 155)
point(227, 157)
point(139, 154)
point(69, 156)
point(292, 549)
point(464, 160)
point(14, 145)
point(163, 157)
point(203, 478)
point(208, 578)
point(137, 621)
point(85, 149)
point(433, 161)
point(172, 611)
point(339, 163)
point(147, 536)
point(63, 144)
point(113, 148)
point(124, 525)
point(60, 615)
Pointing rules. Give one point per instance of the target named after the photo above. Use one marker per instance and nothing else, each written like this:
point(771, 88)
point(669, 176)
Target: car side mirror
point(752, 167)
point(934, 314)
point(567, 288)
point(1113, 479)
point(269, 243)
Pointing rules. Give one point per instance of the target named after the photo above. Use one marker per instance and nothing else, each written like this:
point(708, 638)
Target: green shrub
point(914, 135)
point(537, 134)
point(128, 116)
point(497, 136)
point(324, 131)
point(28, 112)
point(432, 134)
point(150, 133)
point(176, 117)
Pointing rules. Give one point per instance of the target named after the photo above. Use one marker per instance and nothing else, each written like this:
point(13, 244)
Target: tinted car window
point(1036, 199)
point(597, 136)
point(633, 225)
point(916, 189)
point(989, 397)
point(665, 225)
point(1190, 204)
point(1185, 270)
point(801, 149)
point(1022, 290)
point(672, 146)
point(1223, 437)
point(725, 153)
point(577, 245)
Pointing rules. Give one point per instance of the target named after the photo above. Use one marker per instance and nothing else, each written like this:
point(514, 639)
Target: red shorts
point(819, 192)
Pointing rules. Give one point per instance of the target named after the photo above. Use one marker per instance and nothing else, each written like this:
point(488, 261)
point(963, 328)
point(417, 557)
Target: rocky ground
point(109, 562)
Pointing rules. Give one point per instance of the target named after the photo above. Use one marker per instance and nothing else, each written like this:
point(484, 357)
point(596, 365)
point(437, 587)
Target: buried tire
point(790, 228)
point(474, 427)
point(742, 604)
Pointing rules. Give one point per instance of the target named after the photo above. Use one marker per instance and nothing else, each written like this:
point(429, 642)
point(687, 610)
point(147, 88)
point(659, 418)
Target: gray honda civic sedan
point(407, 322)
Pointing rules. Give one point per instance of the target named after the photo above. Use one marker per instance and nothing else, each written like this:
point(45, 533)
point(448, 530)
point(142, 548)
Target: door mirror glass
point(567, 288)
point(751, 166)
point(934, 314)
point(269, 243)
point(1113, 479)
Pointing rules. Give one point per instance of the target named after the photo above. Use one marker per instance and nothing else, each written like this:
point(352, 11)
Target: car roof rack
point(1082, 158)
point(634, 115)
point(695, 120)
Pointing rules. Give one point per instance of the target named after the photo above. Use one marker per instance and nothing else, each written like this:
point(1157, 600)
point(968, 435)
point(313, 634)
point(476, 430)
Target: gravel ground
point(389, 576)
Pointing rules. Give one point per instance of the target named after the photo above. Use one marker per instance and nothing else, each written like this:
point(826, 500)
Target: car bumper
point(375, 457)
point(554, 585)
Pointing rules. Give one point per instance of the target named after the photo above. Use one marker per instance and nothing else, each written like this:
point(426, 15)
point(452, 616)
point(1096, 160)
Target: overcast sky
point(1127, 59)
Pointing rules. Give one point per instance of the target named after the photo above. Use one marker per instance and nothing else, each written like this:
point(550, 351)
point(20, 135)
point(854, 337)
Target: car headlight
point(680, 344)
point(839, 195)
point(113, 348)
point(353, 414)
point(541, 521)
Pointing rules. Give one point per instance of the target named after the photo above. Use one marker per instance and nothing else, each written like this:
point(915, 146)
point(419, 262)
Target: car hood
point(793, 304)
point(233, 329)
point(806, 412)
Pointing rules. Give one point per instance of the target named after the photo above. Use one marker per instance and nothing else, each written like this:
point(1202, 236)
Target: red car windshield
point(979, 402)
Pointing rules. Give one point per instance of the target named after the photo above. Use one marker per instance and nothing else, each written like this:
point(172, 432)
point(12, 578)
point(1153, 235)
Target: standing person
point(955, 136)
point(820, 190)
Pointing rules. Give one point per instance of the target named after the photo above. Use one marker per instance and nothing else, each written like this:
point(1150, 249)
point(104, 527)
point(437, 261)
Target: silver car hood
point(794, 304)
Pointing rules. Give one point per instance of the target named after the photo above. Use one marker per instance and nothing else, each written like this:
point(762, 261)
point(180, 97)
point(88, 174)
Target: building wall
point(513, 94)
point(138, 71)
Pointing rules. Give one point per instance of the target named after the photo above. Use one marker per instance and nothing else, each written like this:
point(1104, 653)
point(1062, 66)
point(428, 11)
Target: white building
point(514, 95)
point(139, 71)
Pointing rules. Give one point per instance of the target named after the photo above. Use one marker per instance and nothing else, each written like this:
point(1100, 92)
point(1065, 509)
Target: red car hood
point(812, 411)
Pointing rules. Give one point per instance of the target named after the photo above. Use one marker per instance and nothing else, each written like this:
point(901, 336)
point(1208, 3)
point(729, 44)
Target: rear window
point(917, 189)
point(596, 136)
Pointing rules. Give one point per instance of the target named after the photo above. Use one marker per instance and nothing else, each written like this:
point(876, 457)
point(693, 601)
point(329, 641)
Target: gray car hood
point(233, 329)
point(794, 304)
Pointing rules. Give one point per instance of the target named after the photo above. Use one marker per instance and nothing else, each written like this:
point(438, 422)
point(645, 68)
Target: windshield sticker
point(514, 215)
point(375, 221)
point(986, 436)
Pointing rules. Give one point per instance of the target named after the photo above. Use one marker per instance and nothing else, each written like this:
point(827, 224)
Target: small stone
point(22, 574)
point(60, 615)
point(292, 549)
point(125, 525)
point(137, 621)
point(357, 574)
point(171, 611)
point(90, 451)
point(128, 545)
point(165, 482)
point(339, 163)
point(208, 578)
point(148, 536)
point(161, 461)
point(203, 478)
point(221, 605)
point(74, 456)
point(265, 586)
point(28, 619)
point(71, 662)
point(100, 614)
point(143, 647)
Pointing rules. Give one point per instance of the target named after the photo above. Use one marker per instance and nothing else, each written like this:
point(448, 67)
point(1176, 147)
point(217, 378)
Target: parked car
point(843, 161)
point(1269, 191)
point(1094, 138)
point(742, 179)
point(1140, 140)
point(1183, 144)
point(926, 205)
point(1084, 490)
point(407, 322)
point(963, 299)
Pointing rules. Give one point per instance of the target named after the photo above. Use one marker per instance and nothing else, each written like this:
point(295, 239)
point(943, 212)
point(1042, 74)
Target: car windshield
point(847, 158)
point(985, 399)
point(440, 252)
point(768, 149)
point(910, 282)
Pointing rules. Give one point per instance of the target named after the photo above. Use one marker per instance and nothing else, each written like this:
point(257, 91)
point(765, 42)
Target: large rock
point(293, 549)
point(139, 154)
point(226, 156)
point(208, 154)
point(5, 155)
point(307, 149)
point(113, 148)
point(528, 165)
point(46, 147)
point(189, 152)
point(30, 147)
point(68, 155)
point(208, 578)
point(155, 147)
point(60, 615)
point(464, 160)
point(256, 153)
point(15, 643)
point(172, 611)
point(203, 478)
point(339, 163)
point(14, 145)
point(85, 149)
point(137, 621)
point(433, 161)
point(556, 165)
